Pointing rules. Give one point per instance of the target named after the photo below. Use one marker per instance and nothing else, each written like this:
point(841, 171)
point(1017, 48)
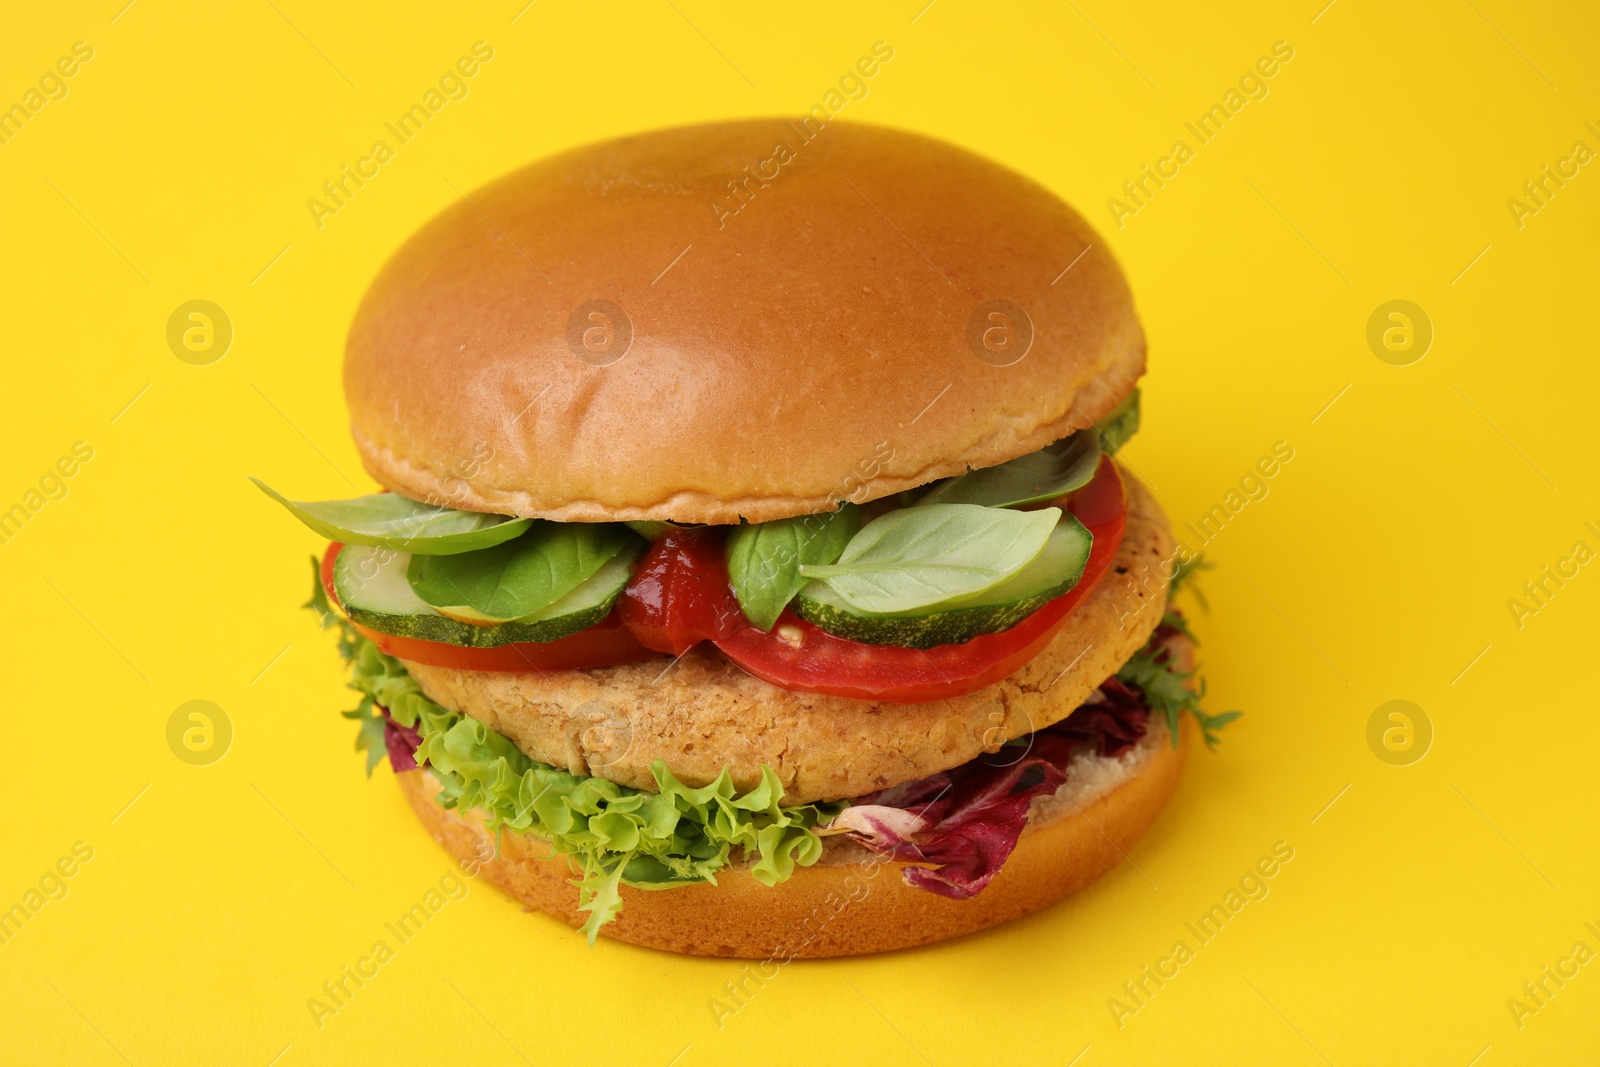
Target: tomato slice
point(602, 645)
point(797, 655)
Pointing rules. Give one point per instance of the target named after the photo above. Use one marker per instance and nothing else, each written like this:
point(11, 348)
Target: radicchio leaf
point(966, 821)
point(1114, 721)
point(402, 743)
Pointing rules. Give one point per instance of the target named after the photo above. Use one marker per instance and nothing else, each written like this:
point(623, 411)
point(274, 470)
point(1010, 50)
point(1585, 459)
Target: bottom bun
point(833, 908)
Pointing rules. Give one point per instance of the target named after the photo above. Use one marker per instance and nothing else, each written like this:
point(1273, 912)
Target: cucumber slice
point(372, 587)
point(1056, 569)
point(373, 579)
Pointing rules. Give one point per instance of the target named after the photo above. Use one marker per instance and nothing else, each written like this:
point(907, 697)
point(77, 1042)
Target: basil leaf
point(652, 529)
point(1121, 424)
point(517, 578)
point(929, 554)
point(764, 559)
point(389, 520)
point(1056, 469)
point(649, 529)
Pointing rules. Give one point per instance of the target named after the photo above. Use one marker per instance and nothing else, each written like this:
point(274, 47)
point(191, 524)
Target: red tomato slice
point(602, 645)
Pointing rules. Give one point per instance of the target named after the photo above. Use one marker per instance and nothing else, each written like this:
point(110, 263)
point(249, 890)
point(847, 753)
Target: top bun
point(743, 320)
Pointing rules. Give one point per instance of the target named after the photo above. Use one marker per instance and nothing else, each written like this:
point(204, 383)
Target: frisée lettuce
point(615, 835)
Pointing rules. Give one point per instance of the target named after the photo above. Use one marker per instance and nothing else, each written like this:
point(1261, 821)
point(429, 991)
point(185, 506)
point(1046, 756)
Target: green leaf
point(517, 578)
point(600, 898)
point(389, 520)
point(1210, 724)
point(1177, 621)
point(1121, 424)
point(929, 554)
point(1056, 469)
point(764, 559)
point(371, 739)
point(1166, 693)
point(1183, 578)
point(327, 617)
point(651, 529)
point(616, 835)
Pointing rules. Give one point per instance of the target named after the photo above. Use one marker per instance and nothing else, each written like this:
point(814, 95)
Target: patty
point(703, 713)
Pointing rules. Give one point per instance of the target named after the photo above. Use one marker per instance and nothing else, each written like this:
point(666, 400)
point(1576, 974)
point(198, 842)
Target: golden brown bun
point(832, 909)
point(810, 348)
point(704, 713)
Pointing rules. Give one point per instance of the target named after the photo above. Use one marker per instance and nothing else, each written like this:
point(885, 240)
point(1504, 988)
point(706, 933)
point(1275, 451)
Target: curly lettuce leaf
point(1184, 580)
point(1165, 688)
point(372, 736)
point(615, 835)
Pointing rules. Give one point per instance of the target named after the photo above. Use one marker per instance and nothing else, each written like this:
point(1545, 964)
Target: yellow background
point(1379, 566)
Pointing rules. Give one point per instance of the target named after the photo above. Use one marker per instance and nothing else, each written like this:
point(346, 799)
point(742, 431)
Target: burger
point(752, 574)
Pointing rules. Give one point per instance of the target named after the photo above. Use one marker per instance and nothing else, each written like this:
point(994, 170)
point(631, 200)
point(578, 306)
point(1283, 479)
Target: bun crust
point(823, 342)
point(831, 909)
point(705, 713)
